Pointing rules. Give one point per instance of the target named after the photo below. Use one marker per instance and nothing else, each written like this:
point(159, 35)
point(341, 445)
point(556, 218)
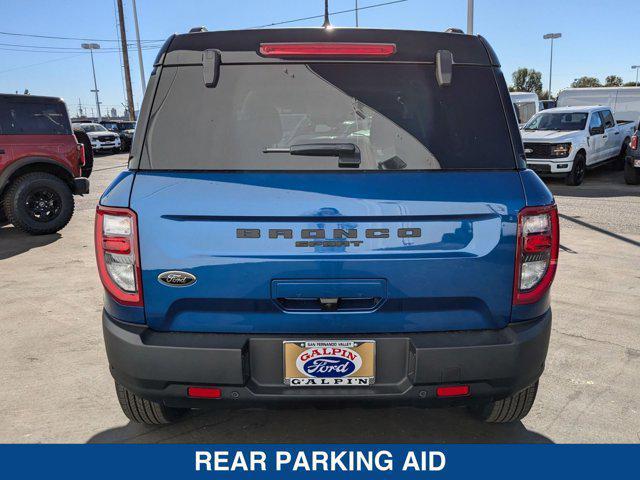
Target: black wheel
point(618, 163)
point(510, 409)
point(140, 410)
point(116, 150)
point(84, 139)
point(578, 170)
point(631, 174)
point(3, 217)
point(39, 203)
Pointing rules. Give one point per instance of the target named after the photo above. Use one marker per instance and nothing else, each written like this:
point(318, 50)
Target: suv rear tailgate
point(446, 264)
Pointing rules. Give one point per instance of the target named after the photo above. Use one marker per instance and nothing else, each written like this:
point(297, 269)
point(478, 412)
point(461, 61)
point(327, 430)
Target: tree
point(630, 84)
point(613, 81)
point(584, 82)
point(527, 80)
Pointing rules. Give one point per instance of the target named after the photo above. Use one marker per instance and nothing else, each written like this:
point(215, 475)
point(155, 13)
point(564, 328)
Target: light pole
point(551, 36)
point(469, 17)
point(636, 68)
point(135, 21)
point(91, 47)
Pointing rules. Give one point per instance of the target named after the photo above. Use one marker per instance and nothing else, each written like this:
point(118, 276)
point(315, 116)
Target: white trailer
point(525, 105)
point(624, 102)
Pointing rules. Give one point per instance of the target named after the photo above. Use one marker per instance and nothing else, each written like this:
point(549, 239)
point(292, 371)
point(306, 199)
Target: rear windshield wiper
point(348, 153)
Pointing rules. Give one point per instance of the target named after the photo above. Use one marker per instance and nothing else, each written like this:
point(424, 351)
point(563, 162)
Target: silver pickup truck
point(569, 140)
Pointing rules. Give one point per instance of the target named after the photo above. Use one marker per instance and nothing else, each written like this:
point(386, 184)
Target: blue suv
point(315, 215)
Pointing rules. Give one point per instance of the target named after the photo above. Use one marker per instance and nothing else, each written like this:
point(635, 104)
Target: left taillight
point(82, 154)
point(536, 253)
point(116, 237)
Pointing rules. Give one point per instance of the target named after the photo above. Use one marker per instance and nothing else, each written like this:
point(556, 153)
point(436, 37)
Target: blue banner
point(318, 461)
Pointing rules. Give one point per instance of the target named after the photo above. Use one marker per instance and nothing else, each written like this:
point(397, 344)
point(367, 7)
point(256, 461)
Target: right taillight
point(116, 237)
point(633, 144)
point(536, 253)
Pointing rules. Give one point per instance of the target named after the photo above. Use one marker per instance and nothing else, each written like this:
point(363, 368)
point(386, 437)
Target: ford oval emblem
point(175, 278)
point(329, 362)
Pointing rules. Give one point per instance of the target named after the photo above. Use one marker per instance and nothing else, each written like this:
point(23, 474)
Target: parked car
point(624, 102)
point(40, 164)
point(124, 129)
point(525, 104)
point(101, 138)
point(567, 141)
point(322, 218)
point(632, 162)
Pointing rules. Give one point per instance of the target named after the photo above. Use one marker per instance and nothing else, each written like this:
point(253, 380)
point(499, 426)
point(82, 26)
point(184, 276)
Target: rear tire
point(576, 175)
point(631, 174)
point(618, 163)
point(140, 410)
point(510, 409)
point(39, 203)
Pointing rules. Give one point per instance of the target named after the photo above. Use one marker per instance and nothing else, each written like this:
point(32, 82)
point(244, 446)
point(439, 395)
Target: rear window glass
point(33, 118)
point(395, 114)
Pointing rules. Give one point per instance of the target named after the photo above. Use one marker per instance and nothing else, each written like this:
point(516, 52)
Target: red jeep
point(41, 163)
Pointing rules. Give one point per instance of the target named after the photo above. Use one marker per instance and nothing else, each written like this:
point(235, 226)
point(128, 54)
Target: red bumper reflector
point(204, 392)
point(453, 391)
point(116, 245)
point(325, 49)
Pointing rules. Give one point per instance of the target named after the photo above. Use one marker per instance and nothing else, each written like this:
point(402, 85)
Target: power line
point(40, 63)
point(47, 47)
point(52, 37)
point(294, 20)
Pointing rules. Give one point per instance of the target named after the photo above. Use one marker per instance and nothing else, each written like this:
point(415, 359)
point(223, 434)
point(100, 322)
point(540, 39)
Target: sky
point(595, 40)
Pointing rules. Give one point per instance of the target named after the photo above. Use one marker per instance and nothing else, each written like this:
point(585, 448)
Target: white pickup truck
point(568, 140)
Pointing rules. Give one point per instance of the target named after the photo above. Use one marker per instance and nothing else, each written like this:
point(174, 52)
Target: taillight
point(116, 236)
point(324, 49)
point(633, 144)
point(82, 154)
point(536, 253)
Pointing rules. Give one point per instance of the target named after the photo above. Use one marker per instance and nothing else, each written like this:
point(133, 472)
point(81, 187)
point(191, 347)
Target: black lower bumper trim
point(248, 368)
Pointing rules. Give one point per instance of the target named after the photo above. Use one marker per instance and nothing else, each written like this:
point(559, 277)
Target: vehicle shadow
point(15, 242)
point(599, 183)
point(310, 425)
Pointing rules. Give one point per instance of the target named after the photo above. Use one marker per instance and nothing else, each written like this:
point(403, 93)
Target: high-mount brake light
point(327, 49)
point(116, 237)
point(536, 253)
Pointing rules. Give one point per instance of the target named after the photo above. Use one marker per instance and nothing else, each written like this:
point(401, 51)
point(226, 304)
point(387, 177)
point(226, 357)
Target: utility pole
point(636, 68)
point(125, 60)
point(552, 37)
point(469, 17)
point(357, 24)
point(91, 47)
point(135, 22)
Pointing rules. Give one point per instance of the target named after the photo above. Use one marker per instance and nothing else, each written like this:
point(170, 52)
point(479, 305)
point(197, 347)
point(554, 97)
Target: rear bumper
point(248, 369)
point(80, 186)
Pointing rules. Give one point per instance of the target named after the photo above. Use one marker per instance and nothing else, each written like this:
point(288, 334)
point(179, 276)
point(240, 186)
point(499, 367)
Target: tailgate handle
point(340, 295)
point(328, 304)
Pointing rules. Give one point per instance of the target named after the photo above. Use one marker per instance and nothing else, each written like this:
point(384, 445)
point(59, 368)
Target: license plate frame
point(329, 363)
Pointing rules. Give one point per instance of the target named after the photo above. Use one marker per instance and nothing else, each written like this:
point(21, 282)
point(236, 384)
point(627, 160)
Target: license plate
point(329, 363)
point(636, 163)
